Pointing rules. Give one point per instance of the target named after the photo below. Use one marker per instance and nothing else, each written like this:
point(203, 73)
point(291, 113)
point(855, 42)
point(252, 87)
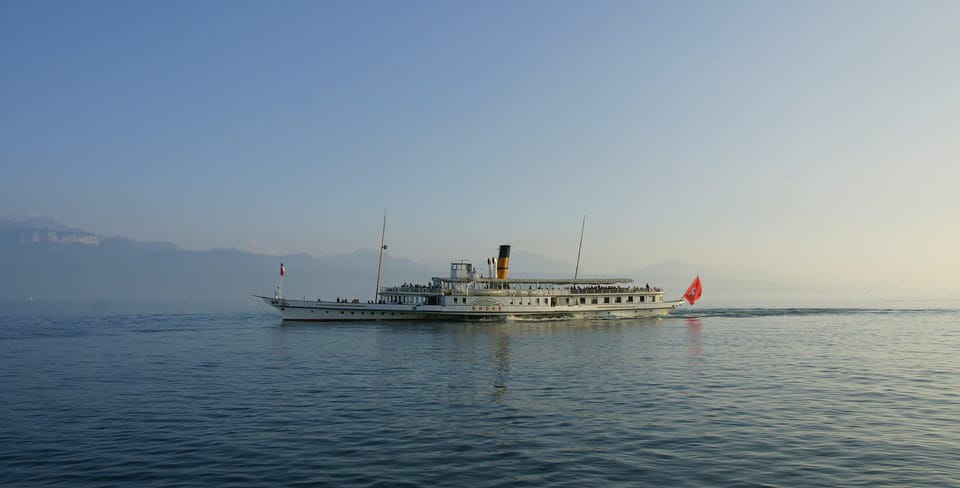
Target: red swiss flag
point(693, 293)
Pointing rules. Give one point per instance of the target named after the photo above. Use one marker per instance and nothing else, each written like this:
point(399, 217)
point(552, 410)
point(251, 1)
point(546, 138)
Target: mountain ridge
point(63, 263)
point(90, 268)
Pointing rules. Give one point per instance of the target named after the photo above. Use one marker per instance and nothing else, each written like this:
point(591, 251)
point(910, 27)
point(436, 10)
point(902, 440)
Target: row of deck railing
point(589, 290)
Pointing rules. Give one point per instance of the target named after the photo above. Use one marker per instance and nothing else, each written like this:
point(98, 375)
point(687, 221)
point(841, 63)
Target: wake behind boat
point(466, 295)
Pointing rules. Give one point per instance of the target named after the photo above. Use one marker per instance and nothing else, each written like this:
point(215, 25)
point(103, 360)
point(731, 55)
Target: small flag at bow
point(693, 293)
point(283, 270)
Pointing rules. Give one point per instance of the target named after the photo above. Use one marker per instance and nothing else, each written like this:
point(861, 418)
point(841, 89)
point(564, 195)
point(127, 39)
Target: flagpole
point(376, 295)
point(576, 271)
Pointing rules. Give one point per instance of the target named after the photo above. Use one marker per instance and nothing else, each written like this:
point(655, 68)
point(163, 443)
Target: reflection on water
point(694, 338)
point(502, 371)
point(694, 335)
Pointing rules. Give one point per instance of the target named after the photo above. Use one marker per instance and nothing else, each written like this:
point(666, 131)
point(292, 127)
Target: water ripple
point(723, 397)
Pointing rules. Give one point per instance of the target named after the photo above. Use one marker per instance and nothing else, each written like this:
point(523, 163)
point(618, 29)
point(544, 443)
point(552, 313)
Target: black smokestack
point(503, 262)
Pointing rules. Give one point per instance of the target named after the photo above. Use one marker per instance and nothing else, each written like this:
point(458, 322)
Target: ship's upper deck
point(465, 279)
point(538, 281)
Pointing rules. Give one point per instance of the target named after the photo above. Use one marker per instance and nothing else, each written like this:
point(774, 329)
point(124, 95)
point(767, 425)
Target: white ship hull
point(467, 295)
point(317, 311)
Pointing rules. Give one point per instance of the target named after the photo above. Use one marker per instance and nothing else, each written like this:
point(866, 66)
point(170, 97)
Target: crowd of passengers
point(414, 287)
point(418, 288)
point(611, 289)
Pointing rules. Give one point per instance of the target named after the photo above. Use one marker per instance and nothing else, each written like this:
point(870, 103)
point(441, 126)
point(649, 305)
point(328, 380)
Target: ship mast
point(582, 225)
point(376, 295)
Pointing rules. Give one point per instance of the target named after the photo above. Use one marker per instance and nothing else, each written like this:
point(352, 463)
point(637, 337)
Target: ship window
point(618, 299)
point(568, 300)
point(606, 299)
point(538, 301)
point(641, 299)
point(593, 300)
point(583, 300)
point(630, 299)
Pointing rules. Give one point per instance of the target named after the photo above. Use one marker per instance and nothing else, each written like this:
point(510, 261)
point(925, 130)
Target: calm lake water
point(716, 397)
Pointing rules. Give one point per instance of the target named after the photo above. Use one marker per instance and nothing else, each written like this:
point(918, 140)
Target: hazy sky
point(818, 140)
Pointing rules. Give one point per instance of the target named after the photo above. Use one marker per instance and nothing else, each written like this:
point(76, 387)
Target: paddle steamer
point(467, 295)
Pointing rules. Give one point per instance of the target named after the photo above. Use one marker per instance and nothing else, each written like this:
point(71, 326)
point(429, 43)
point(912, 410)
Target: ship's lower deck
point(318, 311)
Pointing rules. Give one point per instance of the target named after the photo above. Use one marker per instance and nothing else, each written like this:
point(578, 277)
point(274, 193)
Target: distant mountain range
point(45, 262)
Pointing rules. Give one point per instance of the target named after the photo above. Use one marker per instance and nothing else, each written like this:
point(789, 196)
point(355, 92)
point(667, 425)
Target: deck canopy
point(540, 281)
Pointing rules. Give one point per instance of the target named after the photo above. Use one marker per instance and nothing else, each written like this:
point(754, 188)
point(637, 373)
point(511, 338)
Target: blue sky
point(813, 140)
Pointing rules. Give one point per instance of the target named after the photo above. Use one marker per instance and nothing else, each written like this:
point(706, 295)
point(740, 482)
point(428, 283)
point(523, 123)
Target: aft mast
point(376, 295)
point(582, 224)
